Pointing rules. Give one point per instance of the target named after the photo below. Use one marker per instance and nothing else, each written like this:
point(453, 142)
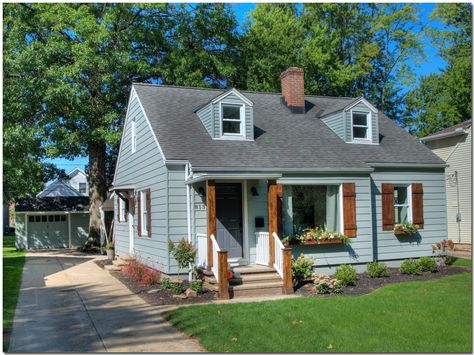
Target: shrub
point(196, 286)
point(150, 277)
point(184, 253)
point(428, 264)
point(338, 287)
point(302, 269)
point(134, 270)
point(177, 286)
point(377, 269)
point(410, 267)
point(166, 283)
point(325, 284)
point(346, 274)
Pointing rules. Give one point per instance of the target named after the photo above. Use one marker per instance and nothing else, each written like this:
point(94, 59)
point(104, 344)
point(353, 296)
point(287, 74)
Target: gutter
point(408, 165)
point(205, 177)
point(457, 132)
point(283, 170)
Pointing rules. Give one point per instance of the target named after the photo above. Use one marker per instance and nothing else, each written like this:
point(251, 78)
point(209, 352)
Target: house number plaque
point(199, 206)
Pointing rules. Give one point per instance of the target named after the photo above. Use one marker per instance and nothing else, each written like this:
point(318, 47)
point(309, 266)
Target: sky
point(432, 63)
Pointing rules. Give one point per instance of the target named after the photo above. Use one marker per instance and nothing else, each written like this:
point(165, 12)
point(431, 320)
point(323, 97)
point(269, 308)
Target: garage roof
point(50, 204)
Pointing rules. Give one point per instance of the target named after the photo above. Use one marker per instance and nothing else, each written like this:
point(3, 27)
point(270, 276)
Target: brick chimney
point(292, 89)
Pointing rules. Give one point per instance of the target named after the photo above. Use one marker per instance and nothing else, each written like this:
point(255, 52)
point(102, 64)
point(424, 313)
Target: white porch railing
point(215, 257)
point(279, 247)
point(263, 248)
point(202, 250)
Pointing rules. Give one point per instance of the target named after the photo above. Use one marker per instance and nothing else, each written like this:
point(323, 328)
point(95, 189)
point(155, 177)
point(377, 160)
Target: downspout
point(187, 174)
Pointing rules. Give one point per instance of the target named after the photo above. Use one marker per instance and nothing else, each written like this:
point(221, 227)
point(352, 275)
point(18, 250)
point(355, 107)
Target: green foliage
point(166, 283)
point(406, 227)
point(410, 267)
point(176, 286)
point(316, 234)
point(196, 285)
point(428, 264)
point(184, 253)
point(325, 284)
point(377, 269)
point(302, 269)
point(346, 274)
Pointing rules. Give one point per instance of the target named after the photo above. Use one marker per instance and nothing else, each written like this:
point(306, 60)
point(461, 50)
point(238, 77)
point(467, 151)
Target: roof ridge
point(243, 91)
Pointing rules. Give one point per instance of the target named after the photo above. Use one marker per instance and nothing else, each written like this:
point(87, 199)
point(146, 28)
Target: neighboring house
point(57, 218)
point(454, 146)
point(236, 171)
point(75, 184)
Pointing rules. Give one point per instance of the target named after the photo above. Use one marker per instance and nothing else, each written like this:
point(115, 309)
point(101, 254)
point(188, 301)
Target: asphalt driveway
point(69, 304)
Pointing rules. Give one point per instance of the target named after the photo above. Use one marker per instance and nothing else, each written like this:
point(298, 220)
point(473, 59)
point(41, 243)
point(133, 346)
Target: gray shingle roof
point(50, 204)
point(282, 140)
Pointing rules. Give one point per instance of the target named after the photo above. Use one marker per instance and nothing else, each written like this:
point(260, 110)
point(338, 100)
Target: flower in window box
point(405, 228)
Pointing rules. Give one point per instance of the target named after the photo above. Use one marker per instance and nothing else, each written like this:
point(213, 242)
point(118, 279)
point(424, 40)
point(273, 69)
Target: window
point(37, 218)
point(56, 218)
point(63, 218)
point(401, 204)
point(82, 187)
point(310, 206)
point(360, 125)
point(31, 218)
point(51, 218)
point(134, 137)
point(122, 208)
point(144, 211)
point(232, 119)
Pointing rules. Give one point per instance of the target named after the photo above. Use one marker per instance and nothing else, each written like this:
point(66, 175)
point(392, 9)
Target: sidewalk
point(69, 304)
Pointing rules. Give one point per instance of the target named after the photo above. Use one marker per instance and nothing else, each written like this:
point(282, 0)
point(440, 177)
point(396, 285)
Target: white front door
point(131, 234)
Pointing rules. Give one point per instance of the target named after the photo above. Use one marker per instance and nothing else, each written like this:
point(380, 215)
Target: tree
point(443, 99)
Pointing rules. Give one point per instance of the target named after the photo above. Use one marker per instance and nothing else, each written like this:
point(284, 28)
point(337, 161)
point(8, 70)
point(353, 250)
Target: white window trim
point(142, 212)
point(369, 127)
point(134, 136)
point(238, 136)
point(410, 202)
point(121, 207)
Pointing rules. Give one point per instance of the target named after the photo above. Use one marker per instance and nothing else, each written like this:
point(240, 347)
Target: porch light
point(201, 192)
point(254, 191)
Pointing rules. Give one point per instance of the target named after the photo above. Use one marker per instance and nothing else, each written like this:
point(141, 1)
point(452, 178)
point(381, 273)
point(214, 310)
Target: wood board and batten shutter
point(148, 211)
point(417, 204)
point(139, 208)
point(388, 215)
point(349, 209)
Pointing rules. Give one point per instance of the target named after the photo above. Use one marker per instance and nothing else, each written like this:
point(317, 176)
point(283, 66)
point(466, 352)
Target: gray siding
point(386, 245)
point(360, 249)
point(144, 169)
point(21, 241)
point(337, 123)
point(206, 117)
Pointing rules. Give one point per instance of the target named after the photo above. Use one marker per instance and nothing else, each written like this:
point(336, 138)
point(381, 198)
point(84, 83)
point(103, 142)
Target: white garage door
point(48, 231)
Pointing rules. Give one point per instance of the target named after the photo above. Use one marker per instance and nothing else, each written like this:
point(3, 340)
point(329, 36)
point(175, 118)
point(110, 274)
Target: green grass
point(422, 316)
point(13, 261)
point(462, 262)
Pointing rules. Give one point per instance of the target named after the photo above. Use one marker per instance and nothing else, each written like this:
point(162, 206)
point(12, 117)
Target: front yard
point(13, 261)
point(419, 316)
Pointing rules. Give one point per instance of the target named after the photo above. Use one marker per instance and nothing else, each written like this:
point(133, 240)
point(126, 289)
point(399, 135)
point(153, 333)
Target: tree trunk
point(97, 190)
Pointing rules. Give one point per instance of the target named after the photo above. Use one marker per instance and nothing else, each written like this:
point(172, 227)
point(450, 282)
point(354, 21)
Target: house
point(58, 217)
point(75, 184)
point(235, 171)
point(454, 146)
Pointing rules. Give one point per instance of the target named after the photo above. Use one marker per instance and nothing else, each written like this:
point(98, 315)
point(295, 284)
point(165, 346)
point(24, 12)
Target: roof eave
point(457, 132)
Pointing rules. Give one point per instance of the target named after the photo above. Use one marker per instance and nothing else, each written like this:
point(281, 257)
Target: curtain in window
point(287, 211)
point(332, 202)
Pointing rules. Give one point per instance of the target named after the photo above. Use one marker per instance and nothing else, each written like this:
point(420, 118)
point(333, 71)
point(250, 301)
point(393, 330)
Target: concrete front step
point(260, 289)
point(126, 258)
point(120, 262)
point(112, 268)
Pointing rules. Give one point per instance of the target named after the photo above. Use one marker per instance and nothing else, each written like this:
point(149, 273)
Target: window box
point(316, 242)
point(405, 229)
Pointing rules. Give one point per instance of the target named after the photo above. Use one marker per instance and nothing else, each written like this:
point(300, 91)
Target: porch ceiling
point(233, 176)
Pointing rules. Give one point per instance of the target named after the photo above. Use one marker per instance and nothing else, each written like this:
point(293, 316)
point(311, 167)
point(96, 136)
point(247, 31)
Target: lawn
point(13, 261)
point(420, 316)
point(462, 262)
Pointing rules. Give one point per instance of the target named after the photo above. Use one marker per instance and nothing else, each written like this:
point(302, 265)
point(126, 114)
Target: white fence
point(263, 248)
point(215, 260)
point(202, 250)
point(278, 255)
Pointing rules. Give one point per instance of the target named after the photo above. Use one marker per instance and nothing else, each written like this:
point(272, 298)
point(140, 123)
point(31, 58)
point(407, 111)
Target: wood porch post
point(272, 219)
point(223, 279)
point(287, 272)
point(211, 219)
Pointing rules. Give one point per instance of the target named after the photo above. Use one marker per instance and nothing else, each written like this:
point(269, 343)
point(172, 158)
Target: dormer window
point(232, 119)
point(360, 126)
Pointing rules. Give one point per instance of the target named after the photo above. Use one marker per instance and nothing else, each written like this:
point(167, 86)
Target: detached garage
point(51, 222)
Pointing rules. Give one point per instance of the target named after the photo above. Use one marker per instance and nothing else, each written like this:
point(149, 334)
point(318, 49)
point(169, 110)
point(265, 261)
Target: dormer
point(355, 123)
point(229, 116)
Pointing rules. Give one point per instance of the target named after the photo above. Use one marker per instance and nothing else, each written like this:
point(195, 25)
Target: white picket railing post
point(215, 264)
point(279, 247)
point(263, 249)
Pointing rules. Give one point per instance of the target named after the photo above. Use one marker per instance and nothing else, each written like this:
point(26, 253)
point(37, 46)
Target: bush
point(135, 270)
point(377, 269)
point(346, 274)
point(150, 277)
point(177, 286)
point(427, 264)
point(197, 286)
point(410, 267)
point(166, 283)
point(184, 253)
point(325, 284)
point(302, 269)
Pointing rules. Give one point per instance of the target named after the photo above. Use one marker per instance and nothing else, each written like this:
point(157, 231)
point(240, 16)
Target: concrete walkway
point(69, 304)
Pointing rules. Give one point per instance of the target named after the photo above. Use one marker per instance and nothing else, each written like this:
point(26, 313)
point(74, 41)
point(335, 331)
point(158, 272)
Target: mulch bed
point(154, 295)
point(365, 284)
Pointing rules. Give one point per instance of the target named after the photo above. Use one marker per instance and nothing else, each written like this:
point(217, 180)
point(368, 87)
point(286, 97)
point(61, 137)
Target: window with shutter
point(387, 207)
point(417, 204)
point(139, 206)
point(349, 209)
point(148, 209)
